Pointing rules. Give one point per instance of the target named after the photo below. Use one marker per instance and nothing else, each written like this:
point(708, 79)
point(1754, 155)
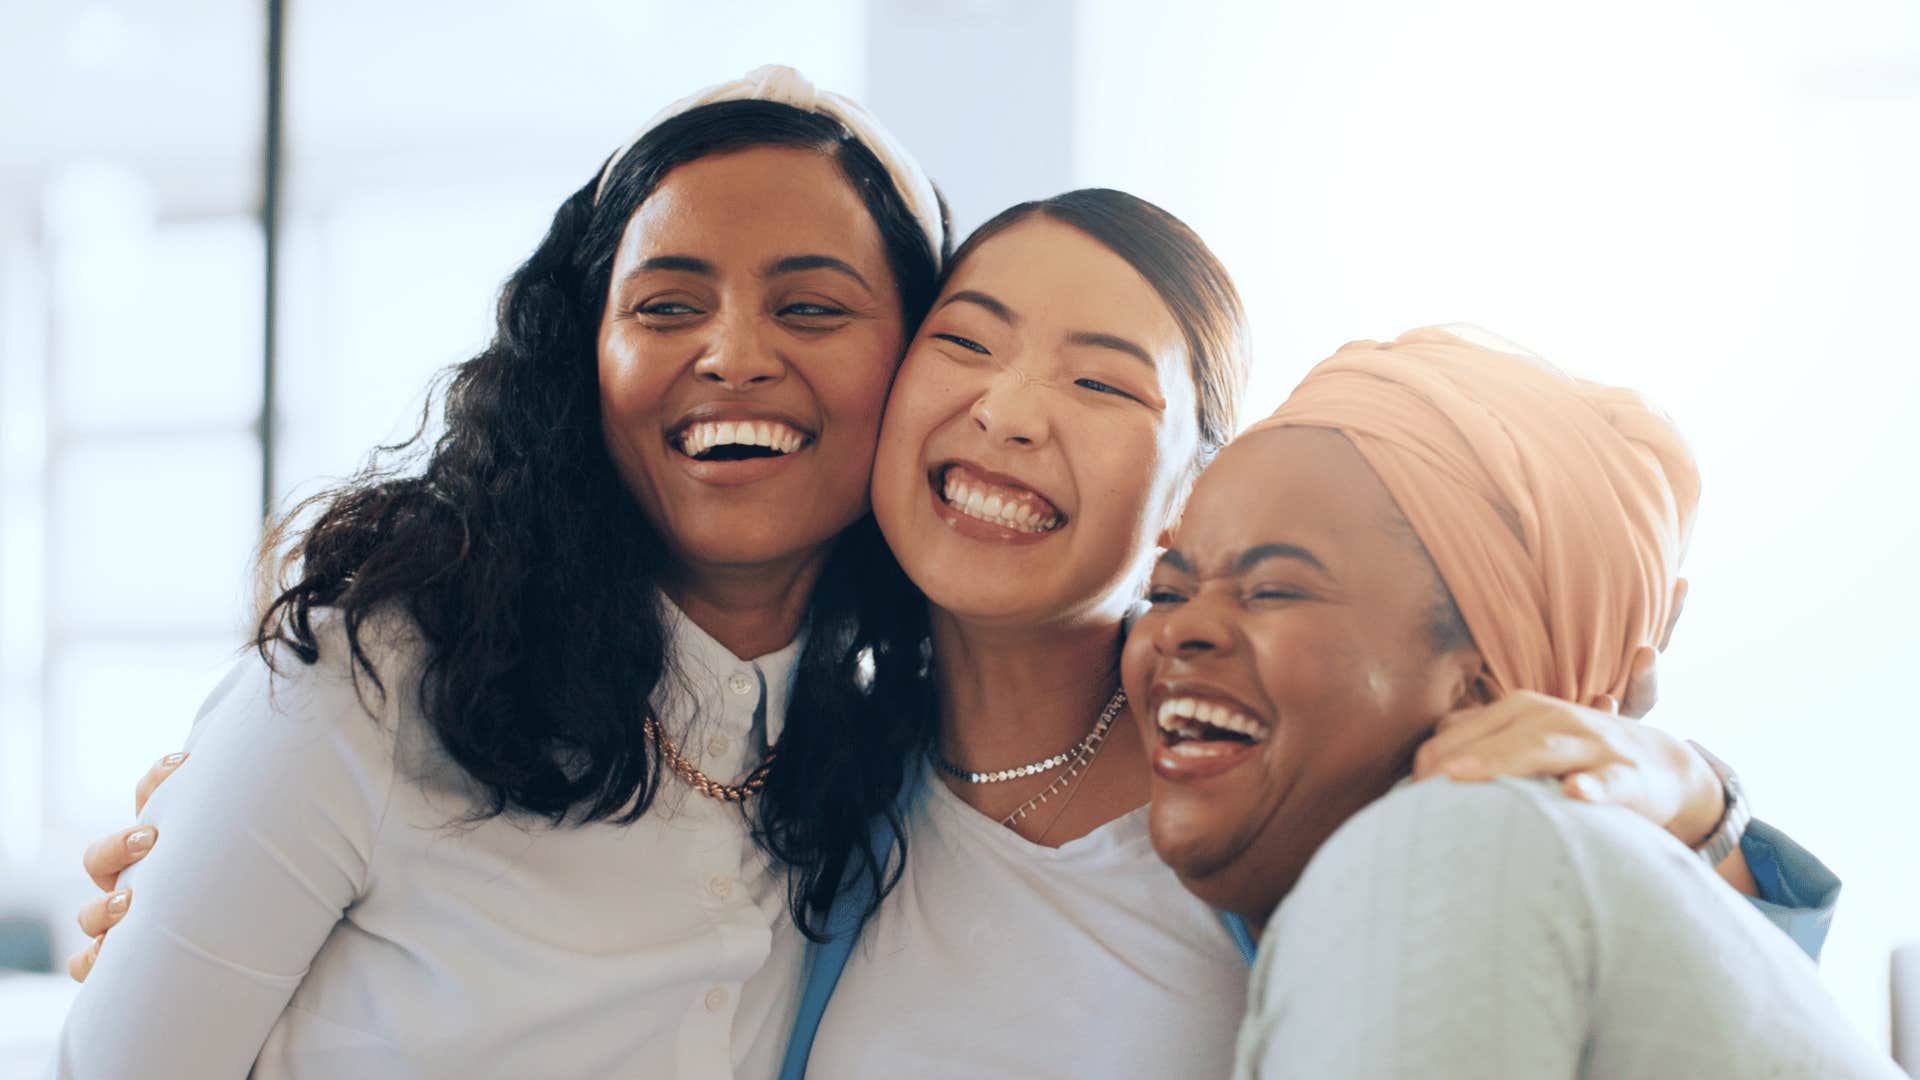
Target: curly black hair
point(532, 575)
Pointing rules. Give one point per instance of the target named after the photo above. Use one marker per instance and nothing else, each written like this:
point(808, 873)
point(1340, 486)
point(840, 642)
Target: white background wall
point(1710, 201)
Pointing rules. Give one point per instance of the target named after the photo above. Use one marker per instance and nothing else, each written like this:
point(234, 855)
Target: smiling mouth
point(1196, 720)
point(1014, 508)
point(739, 440)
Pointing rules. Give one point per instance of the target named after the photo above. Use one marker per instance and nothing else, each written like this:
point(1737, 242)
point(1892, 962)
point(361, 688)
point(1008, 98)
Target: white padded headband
point(774, 82)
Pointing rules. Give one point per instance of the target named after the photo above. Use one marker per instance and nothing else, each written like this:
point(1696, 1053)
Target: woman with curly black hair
point(430, 828)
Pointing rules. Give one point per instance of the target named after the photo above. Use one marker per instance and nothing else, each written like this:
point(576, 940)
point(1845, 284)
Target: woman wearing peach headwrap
point(1426, 526)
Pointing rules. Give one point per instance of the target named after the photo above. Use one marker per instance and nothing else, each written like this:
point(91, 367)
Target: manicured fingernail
point(1466, 768)
point(1586, 787)
point(139, 840)
point(172, 761)
point(117, 903)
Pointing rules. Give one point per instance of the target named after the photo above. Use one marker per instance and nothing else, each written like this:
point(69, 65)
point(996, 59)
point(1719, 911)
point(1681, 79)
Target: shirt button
point(739, 683)
point(716, 999)
point(719, 745)
point(721, 886)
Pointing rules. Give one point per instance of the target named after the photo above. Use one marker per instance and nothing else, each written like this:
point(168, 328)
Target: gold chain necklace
point(701, 782)
point(1091, 747)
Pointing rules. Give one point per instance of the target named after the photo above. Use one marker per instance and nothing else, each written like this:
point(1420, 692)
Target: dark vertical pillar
point(270, 187)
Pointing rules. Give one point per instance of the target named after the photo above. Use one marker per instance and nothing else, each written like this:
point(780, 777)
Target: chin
point(1195, 846)
point(748, 542)
point(977, 600)
point(1217, 878)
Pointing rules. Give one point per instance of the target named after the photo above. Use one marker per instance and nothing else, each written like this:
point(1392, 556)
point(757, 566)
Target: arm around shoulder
point(270, 828)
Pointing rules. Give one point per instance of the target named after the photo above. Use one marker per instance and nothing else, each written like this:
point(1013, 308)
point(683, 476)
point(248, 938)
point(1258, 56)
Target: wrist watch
point(1725, 837)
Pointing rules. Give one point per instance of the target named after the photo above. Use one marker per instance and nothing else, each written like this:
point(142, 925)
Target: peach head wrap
point(1556, 509)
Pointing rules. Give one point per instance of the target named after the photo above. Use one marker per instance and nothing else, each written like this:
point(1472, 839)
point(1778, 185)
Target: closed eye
point(966, 343)
point(813, 311)
point(1159, 597)
point(1271, 592)
point(666, 309)
point(1103, 388)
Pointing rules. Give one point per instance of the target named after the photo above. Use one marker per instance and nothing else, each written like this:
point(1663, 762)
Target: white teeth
point(1182, 713)
point(1009, 511)
point(701, 437)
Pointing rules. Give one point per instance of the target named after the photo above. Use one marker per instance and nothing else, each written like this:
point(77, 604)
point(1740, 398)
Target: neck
point(1013, 695)
point(752, 610)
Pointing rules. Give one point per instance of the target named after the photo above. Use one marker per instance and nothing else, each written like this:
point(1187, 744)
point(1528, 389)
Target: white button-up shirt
point(315, 908)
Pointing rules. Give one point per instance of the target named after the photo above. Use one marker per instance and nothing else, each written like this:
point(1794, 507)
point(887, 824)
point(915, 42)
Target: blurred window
point(1708, 201)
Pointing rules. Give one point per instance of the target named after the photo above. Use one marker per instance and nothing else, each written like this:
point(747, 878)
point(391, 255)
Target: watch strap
point(1726, 836)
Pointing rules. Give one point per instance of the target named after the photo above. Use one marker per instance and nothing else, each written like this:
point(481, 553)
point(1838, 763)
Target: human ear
point(1473, 685)
point(1643, 672)
point(1643, 682)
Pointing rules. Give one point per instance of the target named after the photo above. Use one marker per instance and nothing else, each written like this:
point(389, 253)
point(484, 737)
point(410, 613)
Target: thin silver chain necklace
point(1072, 753)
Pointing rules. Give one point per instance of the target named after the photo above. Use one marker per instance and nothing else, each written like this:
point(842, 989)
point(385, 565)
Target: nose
point(737, 357)
point(1202, 625)
point(1009, 411)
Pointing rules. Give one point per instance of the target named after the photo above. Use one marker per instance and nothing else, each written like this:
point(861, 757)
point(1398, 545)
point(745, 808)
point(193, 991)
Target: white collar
point(707, 665)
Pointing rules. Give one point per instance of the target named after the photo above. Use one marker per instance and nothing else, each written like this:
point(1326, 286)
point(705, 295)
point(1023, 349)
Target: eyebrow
point(994, 307)
point(1111, 341)
point(792, 264)
point(684, 263)
point(1256, 555)
point(1172, 559)
point(1250, 558)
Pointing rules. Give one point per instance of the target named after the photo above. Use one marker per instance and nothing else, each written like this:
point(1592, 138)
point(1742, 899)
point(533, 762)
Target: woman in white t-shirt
point(472, 806)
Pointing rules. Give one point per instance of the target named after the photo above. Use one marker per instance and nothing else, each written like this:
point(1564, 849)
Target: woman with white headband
point(1108, 905)
point(475, 806)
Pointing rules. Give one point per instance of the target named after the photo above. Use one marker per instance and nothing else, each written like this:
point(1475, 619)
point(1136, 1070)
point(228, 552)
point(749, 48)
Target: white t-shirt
point(996, 957)
point(1503, 931)
point(313, 903)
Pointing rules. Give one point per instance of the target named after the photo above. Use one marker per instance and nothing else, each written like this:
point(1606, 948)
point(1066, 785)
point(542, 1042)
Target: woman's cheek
point(1299, 662)
point(875, 380)
point(1129, 447)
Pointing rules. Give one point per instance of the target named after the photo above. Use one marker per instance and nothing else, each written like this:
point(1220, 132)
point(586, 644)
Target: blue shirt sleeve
point(1797, 891)
point(827, 959)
